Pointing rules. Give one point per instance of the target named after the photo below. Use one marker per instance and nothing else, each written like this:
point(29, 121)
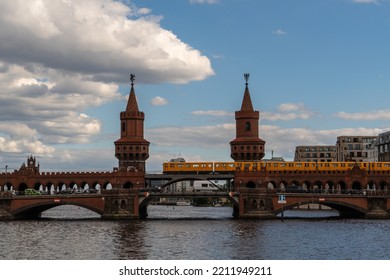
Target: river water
point(187, 233)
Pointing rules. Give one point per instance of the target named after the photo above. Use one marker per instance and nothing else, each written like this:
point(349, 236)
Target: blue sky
point(318, 70)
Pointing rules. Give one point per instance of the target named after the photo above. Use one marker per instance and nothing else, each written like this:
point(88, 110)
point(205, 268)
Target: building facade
point(315, 153)
point(383, 146)
point(356, 148)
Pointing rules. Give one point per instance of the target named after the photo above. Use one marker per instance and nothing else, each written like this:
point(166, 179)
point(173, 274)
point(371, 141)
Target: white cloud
point(158, 101)
point(365, 116)
point(100, 39)
point(288, 111)
point(279, 32)
point(215, 113)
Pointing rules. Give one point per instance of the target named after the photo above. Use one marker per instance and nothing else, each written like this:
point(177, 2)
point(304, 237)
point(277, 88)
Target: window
point(247, 126)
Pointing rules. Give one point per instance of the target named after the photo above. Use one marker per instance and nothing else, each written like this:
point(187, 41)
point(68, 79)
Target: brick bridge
point(124, 195)
point(248, 203)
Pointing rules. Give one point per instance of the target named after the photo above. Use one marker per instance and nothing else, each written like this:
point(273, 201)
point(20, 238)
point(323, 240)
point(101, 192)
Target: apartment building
point(356, 148)
point(383, 146)
point(315, 153)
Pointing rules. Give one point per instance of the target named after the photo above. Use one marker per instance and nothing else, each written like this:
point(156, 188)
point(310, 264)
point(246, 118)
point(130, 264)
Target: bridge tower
point(247, 146)
point(131, 149)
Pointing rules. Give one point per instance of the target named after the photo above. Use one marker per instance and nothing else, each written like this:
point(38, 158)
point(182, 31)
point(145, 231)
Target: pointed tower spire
point(132, 105)
point(246, 101)
point(247, 145)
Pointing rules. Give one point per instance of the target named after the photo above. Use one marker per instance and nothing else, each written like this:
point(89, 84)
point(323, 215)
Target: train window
point(326, 164)
point(172, 165)
point(335, 165)
point(188, 165)
point(291, 164)
point(306, 165)
point(282, 165)
point(195, 165)
point(180, 165)
point(231, 164)
point(275, 165)
point(343, 165)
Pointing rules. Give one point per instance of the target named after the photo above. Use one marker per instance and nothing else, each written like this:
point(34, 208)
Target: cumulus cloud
point(58, 58)
point(101, 39)
point(279, 32)
point(215, 113)
point(365, 116)
point(288, 111)
point(158, 101)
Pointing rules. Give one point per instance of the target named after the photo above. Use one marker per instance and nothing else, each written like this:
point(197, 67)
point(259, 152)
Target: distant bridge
point(174, 178)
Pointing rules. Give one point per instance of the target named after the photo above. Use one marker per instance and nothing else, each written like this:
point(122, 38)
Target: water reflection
point(193, 233)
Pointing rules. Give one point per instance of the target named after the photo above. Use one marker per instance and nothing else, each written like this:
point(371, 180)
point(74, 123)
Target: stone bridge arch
point(355, 208)
point(32, 207)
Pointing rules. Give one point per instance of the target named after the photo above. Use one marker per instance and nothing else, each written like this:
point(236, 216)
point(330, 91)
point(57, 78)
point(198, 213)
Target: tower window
point(247, 126)
point(123, 126)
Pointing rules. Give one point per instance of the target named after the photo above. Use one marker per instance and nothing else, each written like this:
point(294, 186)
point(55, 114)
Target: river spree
point(186, 232)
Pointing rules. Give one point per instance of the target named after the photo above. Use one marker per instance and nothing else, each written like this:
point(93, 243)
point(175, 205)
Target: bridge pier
point(121, 204)
point(5, 209)
point(377, 208)
point(255, 204)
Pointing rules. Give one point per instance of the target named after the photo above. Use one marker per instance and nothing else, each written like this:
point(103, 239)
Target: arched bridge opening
point(144, 201)
point(33, 210)
point(345, 210)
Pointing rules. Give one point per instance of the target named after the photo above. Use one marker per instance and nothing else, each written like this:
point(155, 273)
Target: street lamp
point(6, 175)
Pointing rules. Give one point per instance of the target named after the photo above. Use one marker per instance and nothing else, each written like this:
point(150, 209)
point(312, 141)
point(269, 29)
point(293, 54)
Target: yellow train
point(270, 166)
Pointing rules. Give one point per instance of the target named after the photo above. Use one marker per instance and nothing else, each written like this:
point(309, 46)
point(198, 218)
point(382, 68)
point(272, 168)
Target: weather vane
point(132, 79)
point(246, 77)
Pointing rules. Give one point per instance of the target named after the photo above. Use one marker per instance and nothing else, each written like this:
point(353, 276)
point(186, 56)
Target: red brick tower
point(132, 150)
point(247, 146)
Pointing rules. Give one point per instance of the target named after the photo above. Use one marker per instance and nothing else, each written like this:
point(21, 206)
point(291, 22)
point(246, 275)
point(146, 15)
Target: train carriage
point(188, 167)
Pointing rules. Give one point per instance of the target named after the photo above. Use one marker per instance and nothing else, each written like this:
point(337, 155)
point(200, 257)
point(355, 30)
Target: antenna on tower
point(132, 79)
point(246, 77)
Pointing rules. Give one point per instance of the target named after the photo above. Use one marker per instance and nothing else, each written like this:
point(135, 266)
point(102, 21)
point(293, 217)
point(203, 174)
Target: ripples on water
point(188, 232)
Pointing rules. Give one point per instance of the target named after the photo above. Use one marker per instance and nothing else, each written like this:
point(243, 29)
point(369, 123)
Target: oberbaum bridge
point(127, 196)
